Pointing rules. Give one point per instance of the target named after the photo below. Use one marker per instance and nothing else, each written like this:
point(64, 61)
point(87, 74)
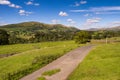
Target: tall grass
point(103, 63)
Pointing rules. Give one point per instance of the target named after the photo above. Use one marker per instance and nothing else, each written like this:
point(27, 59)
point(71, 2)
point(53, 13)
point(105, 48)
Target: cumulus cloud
point(80, 3)
point(63, 13)
point(4, 2)
point(32, 3)
point(54, 21)
point(24, 13)
point(14, 6)
point(7, 2)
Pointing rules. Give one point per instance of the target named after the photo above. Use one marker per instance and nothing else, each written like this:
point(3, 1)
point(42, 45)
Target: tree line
point(14, 37)
point(86, 36)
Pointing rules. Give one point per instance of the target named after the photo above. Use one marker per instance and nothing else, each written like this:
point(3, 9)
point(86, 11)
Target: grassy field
point(18, 48)
point(103, 63)
point(30, 58)
point(103, 41)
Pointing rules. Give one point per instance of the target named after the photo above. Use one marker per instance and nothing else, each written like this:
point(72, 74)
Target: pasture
point(30, 57)
point(102, 63)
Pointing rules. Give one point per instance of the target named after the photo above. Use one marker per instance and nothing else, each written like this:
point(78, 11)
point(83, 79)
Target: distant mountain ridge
point(117, 28)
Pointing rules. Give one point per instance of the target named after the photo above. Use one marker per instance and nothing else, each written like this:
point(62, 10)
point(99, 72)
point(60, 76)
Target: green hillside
point(28, 32)
point(37, 26)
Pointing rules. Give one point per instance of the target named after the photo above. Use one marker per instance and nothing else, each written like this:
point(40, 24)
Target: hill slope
point(36, 26)
point(37, 32)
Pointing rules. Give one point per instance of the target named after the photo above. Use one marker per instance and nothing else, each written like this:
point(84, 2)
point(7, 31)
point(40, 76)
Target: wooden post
point(106, 40)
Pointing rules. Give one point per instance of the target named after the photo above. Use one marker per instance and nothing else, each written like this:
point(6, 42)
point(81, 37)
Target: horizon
point(82, 14)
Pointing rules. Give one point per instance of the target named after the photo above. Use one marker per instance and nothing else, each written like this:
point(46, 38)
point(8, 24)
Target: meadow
point(18, 48)
point(102, 63)
point(30, 57)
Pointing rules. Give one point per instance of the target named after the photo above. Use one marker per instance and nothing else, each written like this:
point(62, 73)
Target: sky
point(83, 14)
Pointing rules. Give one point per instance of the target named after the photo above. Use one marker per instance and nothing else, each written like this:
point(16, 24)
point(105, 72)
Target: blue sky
point(82, 14)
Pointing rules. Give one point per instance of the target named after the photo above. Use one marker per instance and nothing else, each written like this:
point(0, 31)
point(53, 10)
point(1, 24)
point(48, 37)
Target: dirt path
point(66, 64)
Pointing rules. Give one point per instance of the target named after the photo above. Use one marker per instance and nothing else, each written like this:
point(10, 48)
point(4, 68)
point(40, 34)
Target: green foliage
point(41, 78)
point(51, 72)
point(105, 34)
point(103, 63)
point(3, 37)
point(82, 37)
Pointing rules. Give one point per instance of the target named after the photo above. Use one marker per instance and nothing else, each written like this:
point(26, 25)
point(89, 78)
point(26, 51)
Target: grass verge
point(41, 78)
point(51, 72)
point(101, 64)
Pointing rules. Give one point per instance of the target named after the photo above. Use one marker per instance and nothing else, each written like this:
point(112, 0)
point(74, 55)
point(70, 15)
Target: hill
point(38, 32)
point(37, 26)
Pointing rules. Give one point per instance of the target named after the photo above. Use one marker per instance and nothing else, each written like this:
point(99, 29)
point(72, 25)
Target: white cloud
point(80, 3)
point(14, 6)
point(29, 3)
point(83, 2)
point(113, 12)
point(17, 6)
point(101, 10)
point(86, 15)
point(54, 21)
point(92, 21)
point(63, 13)
point(71, 22)
point(32, 3)
point(79, 11)
point(7, 2)
point(25, 13)
point(115, 23)
point(106, 8)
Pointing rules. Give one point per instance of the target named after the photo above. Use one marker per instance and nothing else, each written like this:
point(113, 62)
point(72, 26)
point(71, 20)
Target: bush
point(82, 37)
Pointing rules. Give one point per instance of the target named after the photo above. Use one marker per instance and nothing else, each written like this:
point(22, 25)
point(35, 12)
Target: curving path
point(66, 63)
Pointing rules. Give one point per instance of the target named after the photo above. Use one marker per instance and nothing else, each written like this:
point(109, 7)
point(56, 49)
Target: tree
point(82, 37)
point(4, 37)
